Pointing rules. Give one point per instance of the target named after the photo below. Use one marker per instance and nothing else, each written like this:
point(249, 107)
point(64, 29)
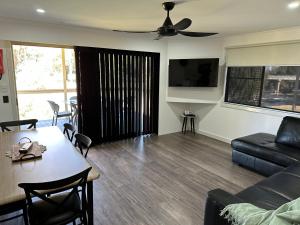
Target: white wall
point(6, 109)
point(196, 48)
point(224, 121)
point(14, 30)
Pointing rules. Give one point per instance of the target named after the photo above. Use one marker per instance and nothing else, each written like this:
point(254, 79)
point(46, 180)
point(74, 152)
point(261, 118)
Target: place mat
point(34, 152)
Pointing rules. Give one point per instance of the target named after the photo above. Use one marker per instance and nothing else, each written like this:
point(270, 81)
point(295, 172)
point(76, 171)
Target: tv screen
point(193, 72)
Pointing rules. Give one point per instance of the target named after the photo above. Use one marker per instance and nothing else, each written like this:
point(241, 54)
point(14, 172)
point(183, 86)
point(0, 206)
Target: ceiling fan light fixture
point(40, 11)
point(293, 4)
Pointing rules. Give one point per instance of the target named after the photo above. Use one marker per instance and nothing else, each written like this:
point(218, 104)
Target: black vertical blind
point(117, 93)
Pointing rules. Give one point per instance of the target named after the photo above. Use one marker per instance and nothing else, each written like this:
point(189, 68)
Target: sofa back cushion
point(289, 132)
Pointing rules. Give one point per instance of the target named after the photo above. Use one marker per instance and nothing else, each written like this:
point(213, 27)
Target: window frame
point(251, 107)
point(65, 90)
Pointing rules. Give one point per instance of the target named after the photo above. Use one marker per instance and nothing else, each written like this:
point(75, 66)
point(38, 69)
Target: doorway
point(43, 73)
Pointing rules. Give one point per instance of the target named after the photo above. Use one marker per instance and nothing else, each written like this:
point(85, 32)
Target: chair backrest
point(4, 125)
point(69, 130)
point(73, 98)
point(44, 190)
point(83, 142)
point(54, 106)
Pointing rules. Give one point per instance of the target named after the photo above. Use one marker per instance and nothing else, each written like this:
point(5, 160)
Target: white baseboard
point(215, 136)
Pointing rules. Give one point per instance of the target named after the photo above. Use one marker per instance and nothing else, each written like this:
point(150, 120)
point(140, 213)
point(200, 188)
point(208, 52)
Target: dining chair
point(57, 202)
point(5, 125)
point(69, 130)
point(83, 142)
point(13, 208)
point(57, 114)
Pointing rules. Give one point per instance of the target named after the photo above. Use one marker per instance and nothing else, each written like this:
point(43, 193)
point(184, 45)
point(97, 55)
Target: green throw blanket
point(248, 214)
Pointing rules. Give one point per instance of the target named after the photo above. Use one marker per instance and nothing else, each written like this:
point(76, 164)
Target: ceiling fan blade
point(134, 32)
point(179, 2)
point(195, 34)
point(183, 24)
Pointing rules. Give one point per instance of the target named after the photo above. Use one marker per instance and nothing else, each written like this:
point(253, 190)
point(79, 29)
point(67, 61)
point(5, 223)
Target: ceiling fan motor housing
point(167, 31)
point(168, 6)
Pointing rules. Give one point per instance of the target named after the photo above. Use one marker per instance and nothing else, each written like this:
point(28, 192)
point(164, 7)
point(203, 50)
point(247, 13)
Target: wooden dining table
point(60, 160)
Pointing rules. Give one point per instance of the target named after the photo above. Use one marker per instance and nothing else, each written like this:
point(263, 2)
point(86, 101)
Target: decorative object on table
point(188, 112)
point(248, 214)
point(34, 152)
point(26, 151)
point(188, 115)
point(1, 64)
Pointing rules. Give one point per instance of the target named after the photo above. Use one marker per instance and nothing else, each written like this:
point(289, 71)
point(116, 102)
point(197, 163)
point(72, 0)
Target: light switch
point(5, 99)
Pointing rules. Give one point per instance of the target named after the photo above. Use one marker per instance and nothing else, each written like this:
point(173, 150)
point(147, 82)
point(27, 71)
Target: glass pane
point(38, 68)
point(244, 85)
point(70, 68)
point(33, 106)
point(281, 88)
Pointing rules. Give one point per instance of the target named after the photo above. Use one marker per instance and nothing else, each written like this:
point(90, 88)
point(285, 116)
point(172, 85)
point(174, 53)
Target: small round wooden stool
point(185, 121)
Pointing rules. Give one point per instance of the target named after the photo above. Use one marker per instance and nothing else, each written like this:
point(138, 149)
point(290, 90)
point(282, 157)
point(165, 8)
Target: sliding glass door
point(43, 73)
point(118, 93)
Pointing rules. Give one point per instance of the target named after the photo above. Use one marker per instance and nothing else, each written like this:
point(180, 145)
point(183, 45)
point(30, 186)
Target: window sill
point(270, 112)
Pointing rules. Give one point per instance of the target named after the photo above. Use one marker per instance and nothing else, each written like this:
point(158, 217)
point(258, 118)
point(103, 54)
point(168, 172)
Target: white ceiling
point(222, 16)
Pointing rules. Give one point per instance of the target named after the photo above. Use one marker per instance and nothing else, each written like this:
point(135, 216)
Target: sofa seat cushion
point(275, 190)
point(263, 146)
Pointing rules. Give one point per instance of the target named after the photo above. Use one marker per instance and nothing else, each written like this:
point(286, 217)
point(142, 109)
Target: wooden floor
point(162, 180)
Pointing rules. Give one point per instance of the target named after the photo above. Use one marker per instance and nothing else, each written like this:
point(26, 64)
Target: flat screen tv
point(193, 72)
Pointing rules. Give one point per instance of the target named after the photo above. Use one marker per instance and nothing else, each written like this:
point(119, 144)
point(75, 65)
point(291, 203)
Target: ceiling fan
point(168, 29)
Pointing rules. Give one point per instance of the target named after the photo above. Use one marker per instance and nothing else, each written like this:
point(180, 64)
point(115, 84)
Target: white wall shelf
point(188, 100)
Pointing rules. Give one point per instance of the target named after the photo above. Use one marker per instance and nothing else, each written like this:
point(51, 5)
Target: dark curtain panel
point(117, 93)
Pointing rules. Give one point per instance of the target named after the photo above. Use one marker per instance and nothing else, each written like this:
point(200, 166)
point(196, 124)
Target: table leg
point(183, 124)
point(90, 203)
point(186, 121)
point(194, 126)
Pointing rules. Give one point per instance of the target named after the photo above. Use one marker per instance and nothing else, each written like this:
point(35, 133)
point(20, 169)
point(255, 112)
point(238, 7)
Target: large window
point(275, 87)
point(43, 73)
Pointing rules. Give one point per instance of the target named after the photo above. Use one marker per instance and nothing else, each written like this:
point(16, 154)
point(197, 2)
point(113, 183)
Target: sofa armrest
point(216, 201)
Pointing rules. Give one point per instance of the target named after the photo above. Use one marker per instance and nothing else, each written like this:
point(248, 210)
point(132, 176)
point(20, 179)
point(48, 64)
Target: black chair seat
point(69, 211)
point(64, 114)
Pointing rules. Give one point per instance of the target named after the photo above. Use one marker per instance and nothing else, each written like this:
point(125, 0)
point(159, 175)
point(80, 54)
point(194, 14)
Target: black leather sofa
point(275, 156)
point(270, 193)
point(266, 153)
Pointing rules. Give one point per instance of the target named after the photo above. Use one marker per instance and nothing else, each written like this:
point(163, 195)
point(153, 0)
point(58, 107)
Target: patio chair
point(57, 114)
point(74, 111)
